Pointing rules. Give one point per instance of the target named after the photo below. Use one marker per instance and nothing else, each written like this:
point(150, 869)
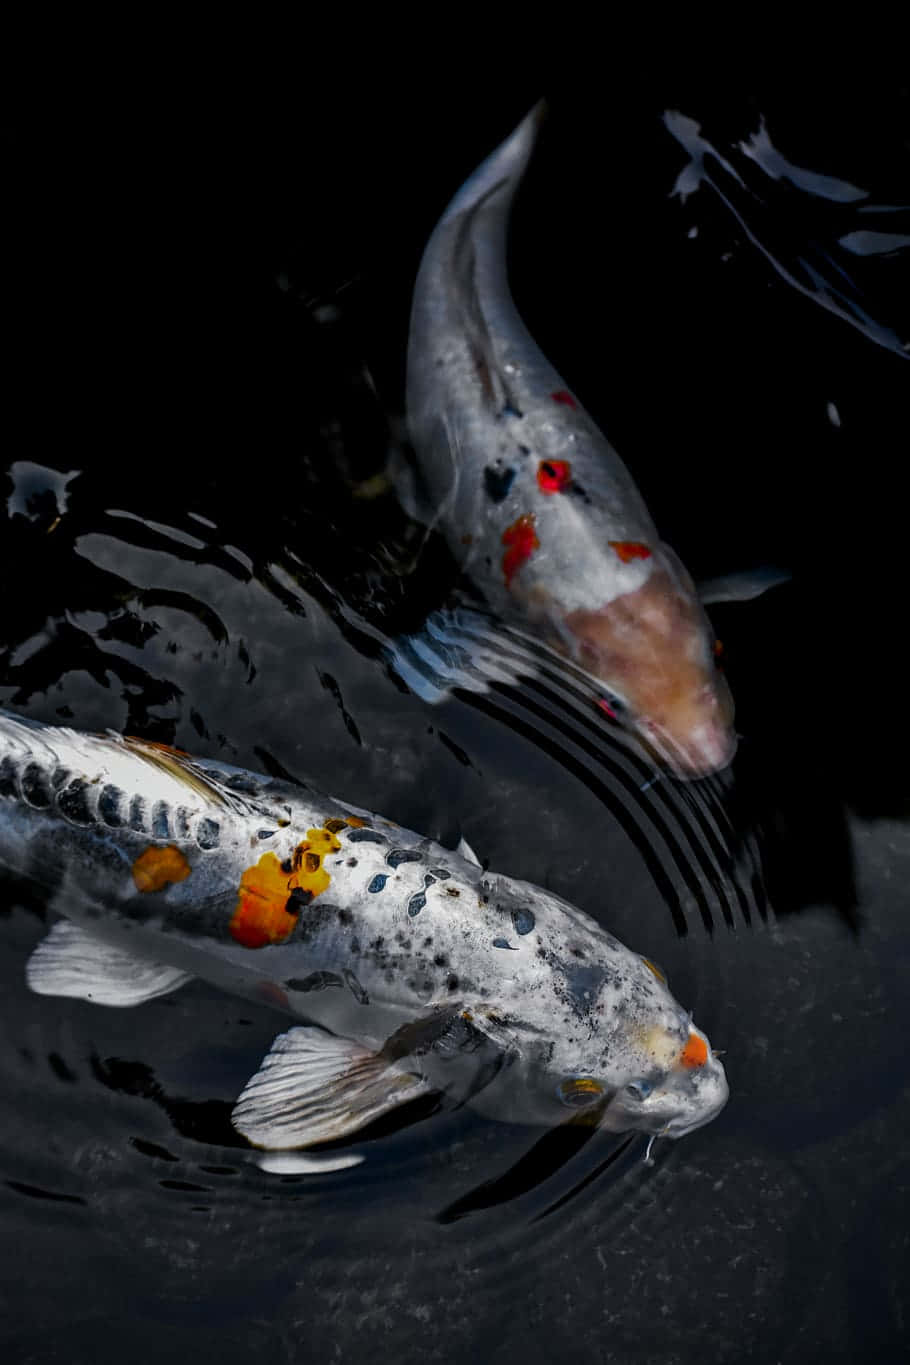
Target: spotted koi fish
point(408, 969)
point(535, 503)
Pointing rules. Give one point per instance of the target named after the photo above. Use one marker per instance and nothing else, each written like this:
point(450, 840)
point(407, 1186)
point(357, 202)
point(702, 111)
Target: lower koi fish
point(410, 969)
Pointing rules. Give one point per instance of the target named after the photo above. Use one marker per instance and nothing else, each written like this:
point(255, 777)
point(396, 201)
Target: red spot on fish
point(605, 706)
point(522, 541)
point(563, 396)
point(554, 476)
point(629, 550)
point(695, 1053)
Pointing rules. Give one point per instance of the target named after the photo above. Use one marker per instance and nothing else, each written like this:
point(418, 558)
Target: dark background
point(206, 288)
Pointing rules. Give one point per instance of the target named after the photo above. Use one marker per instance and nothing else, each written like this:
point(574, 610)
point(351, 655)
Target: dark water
point(207, 309)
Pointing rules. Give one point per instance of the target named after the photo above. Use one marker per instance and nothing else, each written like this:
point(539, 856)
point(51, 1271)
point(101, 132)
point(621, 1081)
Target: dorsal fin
point(183, 769)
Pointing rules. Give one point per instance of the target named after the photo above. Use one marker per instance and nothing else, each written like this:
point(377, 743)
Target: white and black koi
point(537, 506)
point(413, 969)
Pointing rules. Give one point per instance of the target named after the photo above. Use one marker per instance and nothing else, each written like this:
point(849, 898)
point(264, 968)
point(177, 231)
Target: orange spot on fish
point(554, 476)
point(522, 541)
point(563, 396)
point(695, 1053)
point(660, 976)
point(158, 867)
point(356, 822)
point(272, 893)
point(629, 550)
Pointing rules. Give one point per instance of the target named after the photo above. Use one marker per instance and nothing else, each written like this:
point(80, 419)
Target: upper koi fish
point(535, 502)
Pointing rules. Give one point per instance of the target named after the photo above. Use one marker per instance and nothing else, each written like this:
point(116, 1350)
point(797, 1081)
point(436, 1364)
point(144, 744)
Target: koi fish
point(407, 969)
point(537, 506)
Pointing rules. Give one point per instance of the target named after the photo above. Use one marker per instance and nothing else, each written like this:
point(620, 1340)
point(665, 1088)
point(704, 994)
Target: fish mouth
point(706, 751)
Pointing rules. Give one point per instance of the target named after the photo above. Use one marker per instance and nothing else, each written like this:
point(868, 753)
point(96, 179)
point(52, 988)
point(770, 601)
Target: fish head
point(653, 647)
point(644, 1065)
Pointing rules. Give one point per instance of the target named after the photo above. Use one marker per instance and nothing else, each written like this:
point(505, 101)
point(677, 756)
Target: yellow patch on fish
point(652, 967)
point(662, 1046)
point(273, 893)
point(157, 867)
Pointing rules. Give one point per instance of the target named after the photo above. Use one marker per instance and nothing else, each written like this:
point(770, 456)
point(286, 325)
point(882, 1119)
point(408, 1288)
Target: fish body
point(413, 969)
point(534, 501)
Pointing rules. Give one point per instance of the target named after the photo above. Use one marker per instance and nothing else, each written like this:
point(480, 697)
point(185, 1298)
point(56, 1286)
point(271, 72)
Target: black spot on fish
point(345, 916)
point(208, 833)
point(297, 900)
point(181, 820)
point(578, 492)
point(72, 803)
point(451, 982)
point(319, 916)
point(8, 778)
point(582, 985)
point(378, 882)
point(354, 986)
point(352, 862)
point(497, 482)
point(503, 943)
point(441, 873)
point(355, 945)
point(137, 815)
point(366, 836)
point(316, 981)
point(523, 921)
point(109, 806)
point(439, 960)
point(429, 879)
point(334, 825)
point(36, 789)
point(452, 891)
point(160, 827)
point(403, 855)
point(264, 833)
point(525, 450)
point(287, 867)
point(416, 903)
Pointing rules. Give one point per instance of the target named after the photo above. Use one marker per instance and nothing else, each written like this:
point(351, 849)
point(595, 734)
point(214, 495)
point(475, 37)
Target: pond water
point(209, 319)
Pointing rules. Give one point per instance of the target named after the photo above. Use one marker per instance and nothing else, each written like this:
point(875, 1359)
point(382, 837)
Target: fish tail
point(506, 164)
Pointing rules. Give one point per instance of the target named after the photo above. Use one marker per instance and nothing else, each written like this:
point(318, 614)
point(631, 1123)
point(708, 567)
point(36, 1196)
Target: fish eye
point(579, 1091)
point(639, 1090)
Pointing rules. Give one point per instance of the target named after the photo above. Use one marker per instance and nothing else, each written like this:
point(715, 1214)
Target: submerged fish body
point(536, 504)
point(414, 970)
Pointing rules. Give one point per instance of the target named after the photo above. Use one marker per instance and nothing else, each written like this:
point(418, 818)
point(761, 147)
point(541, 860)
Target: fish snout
point(698, 739)
point(706, 1091)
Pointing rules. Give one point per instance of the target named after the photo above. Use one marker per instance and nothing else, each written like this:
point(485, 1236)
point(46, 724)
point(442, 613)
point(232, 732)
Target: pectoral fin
point(313, 1087)
point(71, 961)
point(742, 587)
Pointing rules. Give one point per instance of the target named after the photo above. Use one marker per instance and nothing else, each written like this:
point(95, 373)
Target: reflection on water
point(220, 569)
